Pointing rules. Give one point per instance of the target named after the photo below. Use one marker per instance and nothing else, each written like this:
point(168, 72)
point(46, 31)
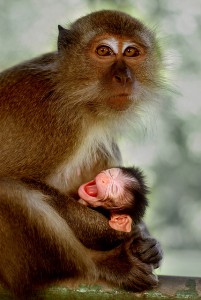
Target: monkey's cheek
point(81, 192)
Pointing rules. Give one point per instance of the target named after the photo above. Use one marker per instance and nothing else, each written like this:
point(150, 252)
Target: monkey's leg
point(121, 266)
point(36, 244)
point(130, 264)
point(122, 269)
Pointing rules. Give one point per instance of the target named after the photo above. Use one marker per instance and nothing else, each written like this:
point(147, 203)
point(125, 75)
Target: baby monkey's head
point(120, 190)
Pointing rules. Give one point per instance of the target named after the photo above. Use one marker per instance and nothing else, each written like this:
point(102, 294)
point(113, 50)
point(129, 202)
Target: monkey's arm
point(93, 230)
point(89, 226)
point(98, 235)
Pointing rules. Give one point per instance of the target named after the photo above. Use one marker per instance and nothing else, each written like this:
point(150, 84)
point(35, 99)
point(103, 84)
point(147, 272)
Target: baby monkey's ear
point(120, 222)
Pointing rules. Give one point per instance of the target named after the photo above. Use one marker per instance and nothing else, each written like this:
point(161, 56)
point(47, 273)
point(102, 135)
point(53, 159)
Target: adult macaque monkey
point(120, 192)
point(59, 117)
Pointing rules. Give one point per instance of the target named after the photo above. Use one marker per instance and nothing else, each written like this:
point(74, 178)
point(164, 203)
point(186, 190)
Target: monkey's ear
point(63, 38)
point(120, 222)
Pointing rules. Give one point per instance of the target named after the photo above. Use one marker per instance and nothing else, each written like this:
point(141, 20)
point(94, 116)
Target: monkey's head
point(113, 58)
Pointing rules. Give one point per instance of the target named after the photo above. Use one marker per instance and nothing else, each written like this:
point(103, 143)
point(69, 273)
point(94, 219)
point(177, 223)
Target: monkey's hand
point(148, 250)
point(127, 271)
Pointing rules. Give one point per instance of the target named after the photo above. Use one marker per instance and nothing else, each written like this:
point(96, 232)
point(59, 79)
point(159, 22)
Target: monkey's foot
point(127, 271)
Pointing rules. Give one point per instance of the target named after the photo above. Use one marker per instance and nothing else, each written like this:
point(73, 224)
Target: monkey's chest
point(78, 167)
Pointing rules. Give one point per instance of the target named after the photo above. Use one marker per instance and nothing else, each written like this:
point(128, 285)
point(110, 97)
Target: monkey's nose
point(122, 78)
point(121, 73)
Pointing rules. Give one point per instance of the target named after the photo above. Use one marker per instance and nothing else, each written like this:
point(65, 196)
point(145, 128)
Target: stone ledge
point(170, 287)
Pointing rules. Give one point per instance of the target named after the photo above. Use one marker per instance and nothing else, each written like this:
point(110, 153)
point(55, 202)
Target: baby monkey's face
point(108, 189)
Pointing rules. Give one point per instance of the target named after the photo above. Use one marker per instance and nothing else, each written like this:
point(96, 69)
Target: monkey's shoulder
point(39, 61)
point(40, 67)
point(28, 81)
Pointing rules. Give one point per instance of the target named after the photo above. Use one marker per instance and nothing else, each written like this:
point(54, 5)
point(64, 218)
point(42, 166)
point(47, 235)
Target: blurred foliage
point(170, 153)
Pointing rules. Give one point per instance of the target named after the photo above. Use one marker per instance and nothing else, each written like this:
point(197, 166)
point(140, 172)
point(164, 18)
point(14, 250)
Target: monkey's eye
point(131, 52)
point(104, 51)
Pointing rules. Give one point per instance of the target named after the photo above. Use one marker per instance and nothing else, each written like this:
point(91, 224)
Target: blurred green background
point(167, 140)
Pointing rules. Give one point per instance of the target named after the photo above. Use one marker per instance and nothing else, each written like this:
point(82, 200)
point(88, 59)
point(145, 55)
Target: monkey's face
point(116, 60)
point(113, 59)
point(108, 190)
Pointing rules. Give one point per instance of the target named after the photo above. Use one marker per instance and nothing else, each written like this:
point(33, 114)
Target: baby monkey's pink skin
point(108, 190)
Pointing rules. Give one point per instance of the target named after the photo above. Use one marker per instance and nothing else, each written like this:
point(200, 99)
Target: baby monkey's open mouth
point(91, 188)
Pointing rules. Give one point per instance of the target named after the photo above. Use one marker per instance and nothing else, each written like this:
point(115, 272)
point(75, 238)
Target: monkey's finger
point(153, 256)
point(146, 244)
point(148, 250)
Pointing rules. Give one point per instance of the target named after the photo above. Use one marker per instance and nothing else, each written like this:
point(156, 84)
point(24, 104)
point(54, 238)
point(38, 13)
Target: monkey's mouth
point(91, 189)
point(119, 102)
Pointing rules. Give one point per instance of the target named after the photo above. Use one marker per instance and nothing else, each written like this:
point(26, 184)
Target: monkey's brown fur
point(59, 116)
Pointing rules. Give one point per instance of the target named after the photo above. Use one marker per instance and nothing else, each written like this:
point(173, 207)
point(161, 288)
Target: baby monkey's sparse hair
point(136, 187)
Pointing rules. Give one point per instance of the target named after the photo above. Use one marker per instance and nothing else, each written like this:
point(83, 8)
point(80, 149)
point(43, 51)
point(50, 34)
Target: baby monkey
point(121, 192)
